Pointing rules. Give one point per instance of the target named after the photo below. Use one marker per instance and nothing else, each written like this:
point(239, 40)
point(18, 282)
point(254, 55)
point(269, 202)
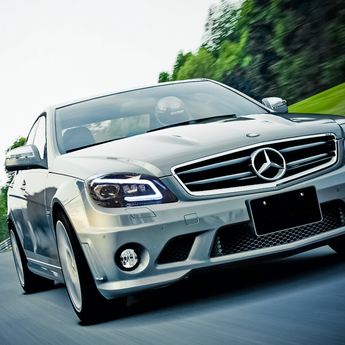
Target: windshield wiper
point(94, 144)
point(173, 125)
point(191, 122)
point(216, 118)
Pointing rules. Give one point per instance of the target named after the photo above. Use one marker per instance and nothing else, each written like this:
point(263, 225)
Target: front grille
point(232, 171)
point(240, 238)
point(177, 249)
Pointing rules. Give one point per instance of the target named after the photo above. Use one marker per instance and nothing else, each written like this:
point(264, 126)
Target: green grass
point(331, 101)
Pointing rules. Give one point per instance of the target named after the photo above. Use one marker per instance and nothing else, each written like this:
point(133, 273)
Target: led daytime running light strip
point(156, 196)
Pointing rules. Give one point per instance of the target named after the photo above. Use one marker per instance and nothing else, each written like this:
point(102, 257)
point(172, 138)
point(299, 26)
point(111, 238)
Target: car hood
point(155, 153)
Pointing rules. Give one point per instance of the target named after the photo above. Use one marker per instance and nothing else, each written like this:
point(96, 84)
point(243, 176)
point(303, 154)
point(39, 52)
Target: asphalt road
point(297, 300)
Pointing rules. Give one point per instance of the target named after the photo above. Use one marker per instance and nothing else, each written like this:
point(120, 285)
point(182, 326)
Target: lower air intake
point(239, 238)
point(176, 249)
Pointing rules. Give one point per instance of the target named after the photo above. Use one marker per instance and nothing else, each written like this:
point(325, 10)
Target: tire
point(339, 247)
point(86, 300)
point(30, 282)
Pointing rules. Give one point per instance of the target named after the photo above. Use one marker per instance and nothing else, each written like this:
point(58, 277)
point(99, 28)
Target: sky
point(53, 51)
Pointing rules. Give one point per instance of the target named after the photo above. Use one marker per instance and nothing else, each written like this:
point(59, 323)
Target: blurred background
point(291, 48)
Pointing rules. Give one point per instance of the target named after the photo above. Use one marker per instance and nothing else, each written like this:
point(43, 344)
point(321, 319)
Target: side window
point(40, 137)
point(37, 135)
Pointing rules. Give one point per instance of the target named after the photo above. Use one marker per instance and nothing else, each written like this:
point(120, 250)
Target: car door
point(39, 239)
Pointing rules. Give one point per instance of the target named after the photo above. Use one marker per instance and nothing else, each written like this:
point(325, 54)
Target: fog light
point(127, 259)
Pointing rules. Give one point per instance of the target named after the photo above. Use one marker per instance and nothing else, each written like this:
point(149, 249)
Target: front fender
point(60, 192)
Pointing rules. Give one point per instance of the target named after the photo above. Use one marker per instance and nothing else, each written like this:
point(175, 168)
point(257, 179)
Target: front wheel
point(30, 282)
point(86, 300)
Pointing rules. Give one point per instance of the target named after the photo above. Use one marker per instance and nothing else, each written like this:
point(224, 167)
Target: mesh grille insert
point(177, 249)
point(240, 238)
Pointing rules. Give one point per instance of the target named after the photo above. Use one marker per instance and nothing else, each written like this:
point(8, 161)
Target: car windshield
point(140, 111)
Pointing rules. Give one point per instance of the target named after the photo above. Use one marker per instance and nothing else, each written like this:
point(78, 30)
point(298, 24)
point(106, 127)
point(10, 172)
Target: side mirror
point(25, 157)
point(275, 103)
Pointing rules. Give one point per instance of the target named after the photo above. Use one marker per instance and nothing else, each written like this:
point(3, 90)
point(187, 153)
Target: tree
point(163, 77)
point(201, 65)
point(220, 24)
point(291, 49)
point(230, 54)
point(180, 61)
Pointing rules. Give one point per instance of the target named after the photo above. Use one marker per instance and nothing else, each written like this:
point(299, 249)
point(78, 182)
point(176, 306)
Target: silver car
point(135, 190)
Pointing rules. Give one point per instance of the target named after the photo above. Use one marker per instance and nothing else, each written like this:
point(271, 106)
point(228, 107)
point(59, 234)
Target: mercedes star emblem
point(269, 164)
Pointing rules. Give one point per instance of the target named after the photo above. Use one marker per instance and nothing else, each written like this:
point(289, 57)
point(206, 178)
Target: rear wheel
point(29, 281)
point(86, 300)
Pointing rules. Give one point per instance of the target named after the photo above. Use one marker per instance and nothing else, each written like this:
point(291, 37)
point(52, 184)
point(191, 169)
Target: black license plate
point(285, 211)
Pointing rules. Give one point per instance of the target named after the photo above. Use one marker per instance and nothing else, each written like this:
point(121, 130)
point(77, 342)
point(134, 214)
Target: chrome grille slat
point(308, 164)
point(248, 177)
point(305, 160)
point(218, 179)
point(218, 165)
point(232, 171)
point(301, 147)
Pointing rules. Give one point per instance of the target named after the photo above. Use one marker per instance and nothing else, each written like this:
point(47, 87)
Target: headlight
point(128, 189)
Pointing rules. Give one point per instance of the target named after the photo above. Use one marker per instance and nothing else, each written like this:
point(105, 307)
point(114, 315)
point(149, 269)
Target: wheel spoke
point(69, 266)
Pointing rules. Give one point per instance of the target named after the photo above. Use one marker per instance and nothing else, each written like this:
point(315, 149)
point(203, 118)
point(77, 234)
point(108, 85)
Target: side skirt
point(45, 270)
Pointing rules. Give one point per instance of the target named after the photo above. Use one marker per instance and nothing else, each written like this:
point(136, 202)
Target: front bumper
point(103, 231)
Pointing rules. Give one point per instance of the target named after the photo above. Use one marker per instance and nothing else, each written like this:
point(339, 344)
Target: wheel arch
point(58, 207)
point(55, 209)
point(11, 225)
point(65, 193)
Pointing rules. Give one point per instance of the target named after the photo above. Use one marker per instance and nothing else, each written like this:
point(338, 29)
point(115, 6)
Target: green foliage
point(219, 25)
point(291, 75)
point(180, 61)
point(17, 143)
point(286, 48)
point(163, 77)
point(201, 65)
point(337, 29)
point(3, 215)
point(246, 61)
point(331, 101)
point(333, 71)
point(230, 54)
point(246, 9)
